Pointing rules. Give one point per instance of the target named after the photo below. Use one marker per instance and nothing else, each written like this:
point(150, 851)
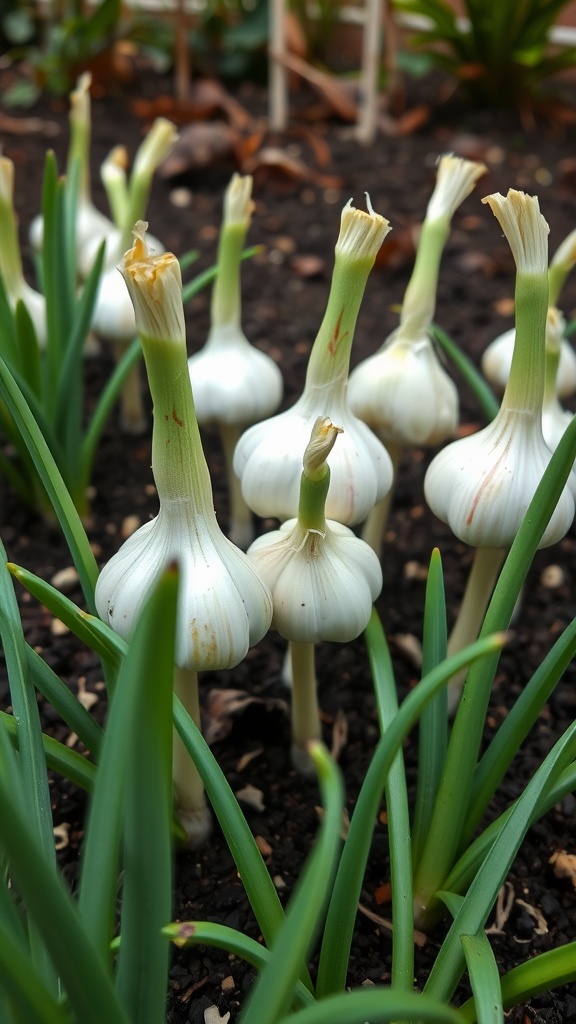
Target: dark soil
point(284, 299)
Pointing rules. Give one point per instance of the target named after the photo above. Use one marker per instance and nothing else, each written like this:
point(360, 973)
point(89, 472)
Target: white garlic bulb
point(481, 485)
point(223, 607)
point(268, 457)
point(404, 393)
point(323, 584)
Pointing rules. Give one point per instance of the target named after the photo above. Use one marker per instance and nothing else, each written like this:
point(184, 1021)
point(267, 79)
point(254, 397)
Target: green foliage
point(499, 51)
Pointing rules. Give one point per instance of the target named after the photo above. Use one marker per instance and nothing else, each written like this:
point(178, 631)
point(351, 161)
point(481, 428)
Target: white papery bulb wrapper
point(482, 485)
point(223, 606)
point(323, 584)
point(268, 460)
point(404, 393)
point(232, 381)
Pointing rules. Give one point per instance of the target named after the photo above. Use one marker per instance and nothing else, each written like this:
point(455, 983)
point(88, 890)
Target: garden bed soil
point(284, 295)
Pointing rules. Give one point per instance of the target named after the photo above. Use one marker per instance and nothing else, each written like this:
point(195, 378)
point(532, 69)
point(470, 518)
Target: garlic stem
point(561, 264)
point(375, 525)
point(10, 256)
point(481, 582)
point(189, 795)
point(241, 523)
point(527, 233)
point(178, 462)
point(454, 181)
point(226, 298)
point(151, 153)
point(306, 724)
point(132, 415)
point(113, 174)
point(80, 131)
point(361, 235)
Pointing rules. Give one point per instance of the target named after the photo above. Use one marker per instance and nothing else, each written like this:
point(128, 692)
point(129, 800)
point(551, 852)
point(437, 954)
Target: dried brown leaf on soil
point(340, 97)
point(207, 98)
point(564, 865)
point(200, 145)
point(274, 165)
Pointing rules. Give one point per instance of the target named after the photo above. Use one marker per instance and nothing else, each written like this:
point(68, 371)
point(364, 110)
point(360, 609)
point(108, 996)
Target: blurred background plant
point(499, 51)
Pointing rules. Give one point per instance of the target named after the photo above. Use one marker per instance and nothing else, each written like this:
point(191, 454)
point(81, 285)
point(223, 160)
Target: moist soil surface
point(285, 289)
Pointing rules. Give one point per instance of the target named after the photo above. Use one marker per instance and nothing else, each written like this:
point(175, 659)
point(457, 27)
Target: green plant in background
point(498, 50)
point(49, 369)
point(67, 37)
point(230, 39)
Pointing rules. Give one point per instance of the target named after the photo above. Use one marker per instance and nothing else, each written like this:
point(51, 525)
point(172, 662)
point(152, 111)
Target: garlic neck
point(420, 296)
point(525, 387)
point(225, 308)
point(178, 462)
point(330, 355)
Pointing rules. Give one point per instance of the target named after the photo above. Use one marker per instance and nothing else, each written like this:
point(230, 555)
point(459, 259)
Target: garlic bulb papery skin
point(482, 485)
point(223, 606)
point(232, 381)
point(323, 581)
point(403, 392)
point(268, 456)
point(91, 226)
point(16, 287)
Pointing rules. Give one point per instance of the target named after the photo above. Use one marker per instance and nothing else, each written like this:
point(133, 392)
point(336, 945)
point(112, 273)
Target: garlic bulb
point(16, 287)
point(268, 456)
point(234, 384)
point(323, 581)
point(323, 584)
point(232, 381)
point(91, 226)
point(482, 485)
point(497, 359)
point(223, 606)
point(404, 393)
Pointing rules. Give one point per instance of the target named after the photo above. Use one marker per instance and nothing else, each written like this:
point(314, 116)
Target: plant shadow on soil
point(284, 297)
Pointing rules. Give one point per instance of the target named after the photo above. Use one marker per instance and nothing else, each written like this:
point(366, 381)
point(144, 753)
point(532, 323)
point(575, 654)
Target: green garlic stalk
point(16, 287)
point(482, 485)
point(497, 358)
point(234, 384)
point(403, 391)
point(223, 607)
point(268, 456)
point(323, 581)
point(113, 318)
point(92, 227)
